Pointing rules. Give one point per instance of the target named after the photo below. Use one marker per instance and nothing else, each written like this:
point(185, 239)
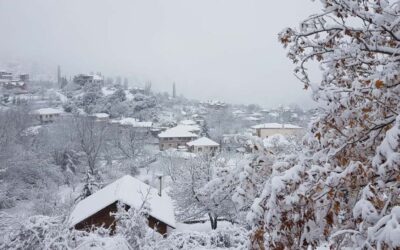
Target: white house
point(177, 136)
point(46, 115)
point(95, 210)
point(203, 145)
point(268, 129)
point(101, 117)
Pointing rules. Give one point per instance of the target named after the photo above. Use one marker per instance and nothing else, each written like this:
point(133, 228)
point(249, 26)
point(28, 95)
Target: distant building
point(177, 136)
point(217, 105)
point(203, 145)
point(83, 79)
point(96, 210)
point(130, 122)
point(101, 117)
point(268, 129)
point(4, 75)
point(9, 81)
point(46, 115)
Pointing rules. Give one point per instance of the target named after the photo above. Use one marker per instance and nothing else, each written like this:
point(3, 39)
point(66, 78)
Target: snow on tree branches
point(347, 181)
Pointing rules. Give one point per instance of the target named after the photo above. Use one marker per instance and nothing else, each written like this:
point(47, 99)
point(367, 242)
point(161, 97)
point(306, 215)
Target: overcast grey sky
point(212, 49)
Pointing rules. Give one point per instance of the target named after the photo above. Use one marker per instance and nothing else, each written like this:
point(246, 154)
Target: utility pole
point(174, 90)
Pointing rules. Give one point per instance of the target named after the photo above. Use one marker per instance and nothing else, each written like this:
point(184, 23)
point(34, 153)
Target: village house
point(46, 115)
point(203, 145)
point(178, 136)
point(83, 79)
point(100, 117)
point(268, 129)
point(96, 210)
point(9, 81)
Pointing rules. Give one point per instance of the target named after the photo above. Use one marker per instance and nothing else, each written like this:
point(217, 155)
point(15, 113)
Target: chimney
point(160, 186)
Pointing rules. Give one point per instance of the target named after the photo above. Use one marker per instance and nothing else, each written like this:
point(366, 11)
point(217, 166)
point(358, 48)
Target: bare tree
point(90, 137)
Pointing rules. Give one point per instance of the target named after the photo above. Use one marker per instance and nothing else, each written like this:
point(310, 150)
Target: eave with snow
point(100, 116)
point(203, 145)
point(95, 210)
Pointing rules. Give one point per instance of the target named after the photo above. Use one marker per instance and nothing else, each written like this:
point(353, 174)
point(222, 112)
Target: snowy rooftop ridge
point(101, 115)
point(48, 111)
point(203, 141)
point(276, 126)
point(133, 122)
point(180, 131)
point(129, 191)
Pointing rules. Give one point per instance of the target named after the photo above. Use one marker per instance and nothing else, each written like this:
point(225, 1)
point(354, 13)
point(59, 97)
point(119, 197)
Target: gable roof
point(276, 125)
point(48, 111)
point(180, 131)
point(203, 141)
point(129, 191)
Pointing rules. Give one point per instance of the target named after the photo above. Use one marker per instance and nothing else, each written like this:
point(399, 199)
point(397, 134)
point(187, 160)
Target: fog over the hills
point(212, 49)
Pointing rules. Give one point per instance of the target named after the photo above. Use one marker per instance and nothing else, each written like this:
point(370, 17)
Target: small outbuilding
point(46, 115)
point(96, 210)
point(203, 145)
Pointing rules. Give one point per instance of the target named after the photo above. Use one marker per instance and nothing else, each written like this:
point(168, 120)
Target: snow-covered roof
point(100, 115)
point(203, 141)
point(131, 192)
point(96, 77)
point(48, 111)
point(107, 91)
point(187, 122)
point(276, 125)
point(180, 131)
point(133, 122)
point(252, 118)
point(190, 128)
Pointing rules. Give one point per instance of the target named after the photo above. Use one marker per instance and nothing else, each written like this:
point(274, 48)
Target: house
point(4, 75)
point(100, 117)
point(83, 79)
point(203, 145)
point(9, 81)
point(177, 136)
point(268, 129)
point(46, 115)
point(96, 210)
